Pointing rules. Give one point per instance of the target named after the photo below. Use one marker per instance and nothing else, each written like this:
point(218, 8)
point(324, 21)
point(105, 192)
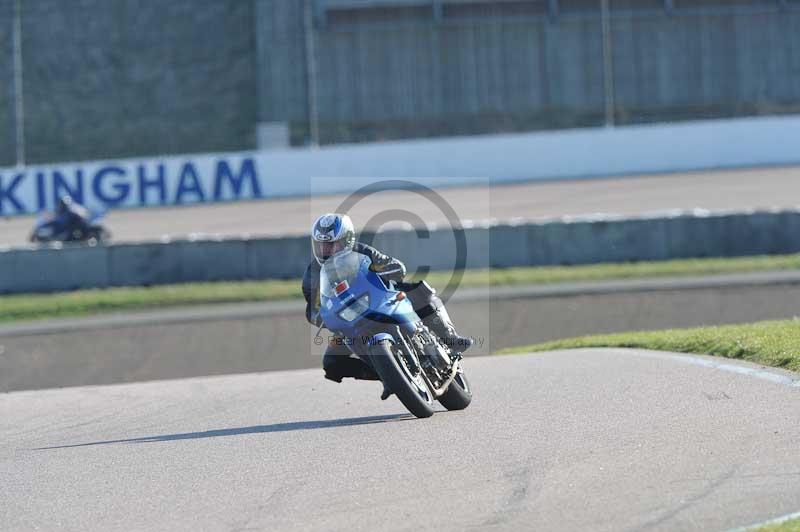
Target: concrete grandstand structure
point(102, 79)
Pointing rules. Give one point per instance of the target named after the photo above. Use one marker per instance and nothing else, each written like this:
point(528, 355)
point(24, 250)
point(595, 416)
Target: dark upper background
point(118, 78)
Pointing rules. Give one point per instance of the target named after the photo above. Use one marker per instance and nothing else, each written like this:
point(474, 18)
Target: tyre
point(98, 235)
point(412, 391)
point(43, 233)
point(458, 395)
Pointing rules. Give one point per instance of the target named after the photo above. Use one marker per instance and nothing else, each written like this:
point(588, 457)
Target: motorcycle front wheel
point(394, 371)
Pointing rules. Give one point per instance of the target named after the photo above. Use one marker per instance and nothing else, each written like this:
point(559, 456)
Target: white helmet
point(331, 234)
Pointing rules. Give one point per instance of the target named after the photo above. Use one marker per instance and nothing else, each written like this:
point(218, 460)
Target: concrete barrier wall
point(564, 241)
point(266, 340)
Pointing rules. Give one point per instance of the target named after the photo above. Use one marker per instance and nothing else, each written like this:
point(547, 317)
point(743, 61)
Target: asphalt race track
point(581, 440)
point(714, 190)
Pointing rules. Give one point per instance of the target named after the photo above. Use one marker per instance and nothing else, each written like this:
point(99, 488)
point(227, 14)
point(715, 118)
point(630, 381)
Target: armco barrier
point(580, 240)
point(281, 258)
point(53, 269)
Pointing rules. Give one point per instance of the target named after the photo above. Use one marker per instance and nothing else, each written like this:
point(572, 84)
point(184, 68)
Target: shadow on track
point(257, 429)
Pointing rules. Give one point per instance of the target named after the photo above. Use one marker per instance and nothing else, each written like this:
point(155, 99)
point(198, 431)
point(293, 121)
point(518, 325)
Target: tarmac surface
point(713, 190)
point(582, 440)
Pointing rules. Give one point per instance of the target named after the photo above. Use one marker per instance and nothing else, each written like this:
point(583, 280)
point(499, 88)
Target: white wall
point(463, 160)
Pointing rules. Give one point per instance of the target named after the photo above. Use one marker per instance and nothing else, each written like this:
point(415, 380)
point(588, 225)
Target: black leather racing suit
point(73, 217)
point(338, 362)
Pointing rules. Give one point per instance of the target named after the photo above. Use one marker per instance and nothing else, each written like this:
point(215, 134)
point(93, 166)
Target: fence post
point(552, 9)
point(608, 63)
point(19, 101)
point(438, 11)
point(311, 73)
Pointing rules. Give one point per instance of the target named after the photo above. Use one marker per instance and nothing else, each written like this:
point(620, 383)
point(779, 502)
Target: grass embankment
point(787, 526)
point(771, 343)
point(87, 302)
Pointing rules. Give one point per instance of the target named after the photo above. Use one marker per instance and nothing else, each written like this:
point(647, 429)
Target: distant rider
point(334, 233)
point(71, 215)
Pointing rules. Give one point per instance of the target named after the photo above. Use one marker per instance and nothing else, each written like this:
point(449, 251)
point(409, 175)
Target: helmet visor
point(324, 250)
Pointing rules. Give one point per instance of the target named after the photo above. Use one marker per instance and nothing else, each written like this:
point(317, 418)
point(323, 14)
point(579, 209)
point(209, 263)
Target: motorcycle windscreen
point(351, 292)
point(340, 272)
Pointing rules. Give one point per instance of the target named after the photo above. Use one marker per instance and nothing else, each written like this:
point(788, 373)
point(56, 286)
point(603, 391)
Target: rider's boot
point(386, 393)
point(364, 373)
point(338, 367)
point(434, 315)
point(442, 326)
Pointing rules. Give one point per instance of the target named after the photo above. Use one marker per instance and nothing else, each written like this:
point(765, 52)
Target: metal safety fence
point(100, 79)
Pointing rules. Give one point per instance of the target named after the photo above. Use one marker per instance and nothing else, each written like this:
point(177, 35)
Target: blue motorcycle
point(379, 325)
point(53, 228)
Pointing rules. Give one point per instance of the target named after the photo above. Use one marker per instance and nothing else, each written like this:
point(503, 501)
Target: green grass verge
point(771, 343)
point(86, 302)
point(788, 526)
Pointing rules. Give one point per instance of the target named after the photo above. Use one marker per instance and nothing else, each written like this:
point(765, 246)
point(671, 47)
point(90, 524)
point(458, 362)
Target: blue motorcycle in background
point(379, 325)
point(53, 228)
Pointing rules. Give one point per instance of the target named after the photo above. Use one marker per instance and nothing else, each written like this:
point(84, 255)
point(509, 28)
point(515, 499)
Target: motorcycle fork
point(409, 353)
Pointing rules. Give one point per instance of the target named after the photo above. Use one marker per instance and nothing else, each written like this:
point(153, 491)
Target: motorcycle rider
point(72, 215)
point(334, 233)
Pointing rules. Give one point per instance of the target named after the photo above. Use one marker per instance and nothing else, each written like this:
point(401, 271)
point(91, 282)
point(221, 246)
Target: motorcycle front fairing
point(45, 226)
point(356, 303)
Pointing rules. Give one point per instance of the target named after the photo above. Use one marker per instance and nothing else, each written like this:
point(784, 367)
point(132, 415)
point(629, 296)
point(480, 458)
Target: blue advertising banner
point(131, 183)
point(476, 160)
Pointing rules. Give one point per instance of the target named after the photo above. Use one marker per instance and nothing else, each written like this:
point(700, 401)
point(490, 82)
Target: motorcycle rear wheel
point(99, 234)
point(412, 391)
point(458, 395)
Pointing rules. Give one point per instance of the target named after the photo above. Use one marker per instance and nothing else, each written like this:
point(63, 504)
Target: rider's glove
point(390, 269)
point(315, 318)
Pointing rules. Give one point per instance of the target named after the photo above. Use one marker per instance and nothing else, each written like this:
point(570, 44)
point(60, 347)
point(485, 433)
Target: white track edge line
point(776, 521)
point(700, 360)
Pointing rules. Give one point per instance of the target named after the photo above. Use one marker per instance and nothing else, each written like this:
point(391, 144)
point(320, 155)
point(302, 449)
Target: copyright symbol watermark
point(420, 227)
